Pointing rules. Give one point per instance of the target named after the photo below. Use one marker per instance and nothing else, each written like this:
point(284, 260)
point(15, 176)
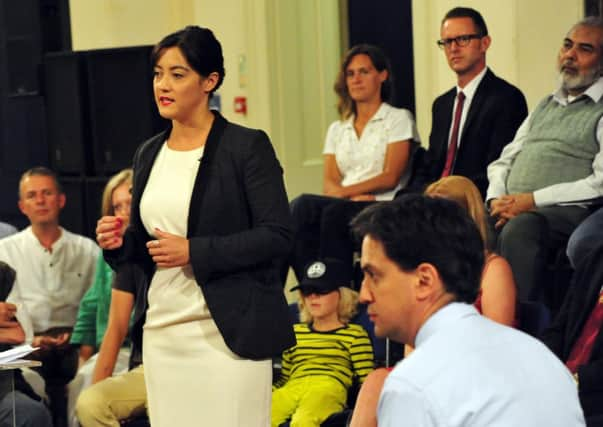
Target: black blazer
point(497, 110)
point(238, 224)
point(567, 327)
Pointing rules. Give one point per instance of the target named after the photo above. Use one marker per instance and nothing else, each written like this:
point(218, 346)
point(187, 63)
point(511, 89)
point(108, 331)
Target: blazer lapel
point(211, 145)
point(480, 97)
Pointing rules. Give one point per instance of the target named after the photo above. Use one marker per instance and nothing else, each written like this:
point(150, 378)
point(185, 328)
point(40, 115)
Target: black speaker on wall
point(21, 27)
point(83, 207)
point(73, 215)
point(67, 113)
point(393, 35)
point(122, 107)
point(100, 107)
point(93, 193)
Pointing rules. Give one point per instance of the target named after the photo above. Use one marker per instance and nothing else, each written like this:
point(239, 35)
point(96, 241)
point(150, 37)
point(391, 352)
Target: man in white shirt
point(54, 269)
point(422, 259)
point(538, 186)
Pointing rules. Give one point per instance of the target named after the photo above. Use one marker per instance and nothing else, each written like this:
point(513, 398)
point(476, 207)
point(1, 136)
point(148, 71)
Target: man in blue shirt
point(422, 260)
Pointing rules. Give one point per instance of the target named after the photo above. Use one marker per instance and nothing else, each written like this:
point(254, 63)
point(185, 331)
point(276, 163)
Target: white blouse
point(359, 159)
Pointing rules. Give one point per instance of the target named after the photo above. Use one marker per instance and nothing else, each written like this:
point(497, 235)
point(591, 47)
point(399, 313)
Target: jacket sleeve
point(270, 232)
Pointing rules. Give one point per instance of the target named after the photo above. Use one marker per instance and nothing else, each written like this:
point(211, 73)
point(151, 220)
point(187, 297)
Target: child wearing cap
point(329, 353)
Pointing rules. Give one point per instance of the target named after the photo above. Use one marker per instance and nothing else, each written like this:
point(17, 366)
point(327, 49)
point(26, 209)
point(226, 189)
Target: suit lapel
point(199, 189)
point(480, 97)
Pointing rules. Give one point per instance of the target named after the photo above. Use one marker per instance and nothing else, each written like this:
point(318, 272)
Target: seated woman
point(497, 298)
point(367, 157)
point(329, 353)
point(95, 314)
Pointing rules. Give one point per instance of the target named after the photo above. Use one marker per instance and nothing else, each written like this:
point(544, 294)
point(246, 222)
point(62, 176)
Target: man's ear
point(20, 204)
point(486, 41)
point(429, 282)
point(62, 200)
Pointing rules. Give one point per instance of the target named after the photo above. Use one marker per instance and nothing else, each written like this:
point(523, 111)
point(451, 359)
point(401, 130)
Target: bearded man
point(539, 187)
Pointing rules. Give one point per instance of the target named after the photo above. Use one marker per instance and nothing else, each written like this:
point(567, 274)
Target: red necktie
point(452, 145)
point(583, 347)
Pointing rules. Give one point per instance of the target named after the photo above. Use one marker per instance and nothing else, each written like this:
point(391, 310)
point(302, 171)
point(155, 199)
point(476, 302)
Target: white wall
point(292, 49)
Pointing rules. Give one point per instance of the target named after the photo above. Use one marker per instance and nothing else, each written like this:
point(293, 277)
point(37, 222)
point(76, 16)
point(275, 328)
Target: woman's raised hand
point(110, 231)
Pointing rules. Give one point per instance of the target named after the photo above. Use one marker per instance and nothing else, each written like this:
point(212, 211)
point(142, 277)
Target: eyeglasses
point(461, 41)
point(307, 291)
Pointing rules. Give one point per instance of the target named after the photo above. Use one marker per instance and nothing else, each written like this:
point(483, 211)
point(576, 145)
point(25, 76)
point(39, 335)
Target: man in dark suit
point(574, 335)
point(467, 135)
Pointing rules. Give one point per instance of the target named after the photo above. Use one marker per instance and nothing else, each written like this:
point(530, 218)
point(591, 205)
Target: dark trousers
point(527, 241)
point(321, 231)
point(59, 367)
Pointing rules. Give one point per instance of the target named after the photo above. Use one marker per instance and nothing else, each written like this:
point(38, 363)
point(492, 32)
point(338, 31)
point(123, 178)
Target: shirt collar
point(594, 92)
point(55, 246)
point(379, 115)
point(442, 318)
point(471, 87)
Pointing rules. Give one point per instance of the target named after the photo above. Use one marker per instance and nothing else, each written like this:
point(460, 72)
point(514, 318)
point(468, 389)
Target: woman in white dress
point(209, 216)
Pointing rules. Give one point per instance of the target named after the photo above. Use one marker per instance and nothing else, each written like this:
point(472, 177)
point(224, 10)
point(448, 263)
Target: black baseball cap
point(324, 275)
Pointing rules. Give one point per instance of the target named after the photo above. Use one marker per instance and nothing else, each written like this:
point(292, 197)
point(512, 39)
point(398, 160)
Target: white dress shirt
point(562, 193)
point(359, 159)
point(49, 284)
point(467, 370)
point(469, 92)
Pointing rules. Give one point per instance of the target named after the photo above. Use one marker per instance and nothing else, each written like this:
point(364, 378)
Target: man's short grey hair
point(593, 22)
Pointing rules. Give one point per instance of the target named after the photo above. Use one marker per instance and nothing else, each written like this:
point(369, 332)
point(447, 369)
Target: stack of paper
point(15, 354)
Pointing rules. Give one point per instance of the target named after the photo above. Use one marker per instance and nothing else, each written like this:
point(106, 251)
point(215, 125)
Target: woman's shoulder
point(397, 113)
point(496, 263)
point(151, 144)
point(231, 128)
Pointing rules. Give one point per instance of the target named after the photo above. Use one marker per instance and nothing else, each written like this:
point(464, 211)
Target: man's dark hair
point(417, 229)
point(467, 12)
point(41, 171)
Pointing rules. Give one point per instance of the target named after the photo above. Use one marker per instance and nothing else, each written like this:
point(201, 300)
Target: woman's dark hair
point(346, 105)
point(199, 46)
point(417, 229)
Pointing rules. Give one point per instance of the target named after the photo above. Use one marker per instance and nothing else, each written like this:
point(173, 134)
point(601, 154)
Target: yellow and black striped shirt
point(341, 354)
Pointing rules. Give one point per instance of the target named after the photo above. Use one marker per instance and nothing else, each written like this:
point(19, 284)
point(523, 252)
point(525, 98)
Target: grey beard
point(579, 81)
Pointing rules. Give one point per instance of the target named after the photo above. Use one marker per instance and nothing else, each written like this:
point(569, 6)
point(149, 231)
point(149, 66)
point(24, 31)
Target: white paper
point(16, 353)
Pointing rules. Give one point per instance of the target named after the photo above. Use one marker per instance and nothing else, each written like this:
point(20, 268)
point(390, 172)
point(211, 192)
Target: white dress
point(192, 378)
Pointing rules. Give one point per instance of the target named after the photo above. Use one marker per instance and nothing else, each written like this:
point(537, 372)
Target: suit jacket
point(496, 111)
point(238, 224)
point(567, 327)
